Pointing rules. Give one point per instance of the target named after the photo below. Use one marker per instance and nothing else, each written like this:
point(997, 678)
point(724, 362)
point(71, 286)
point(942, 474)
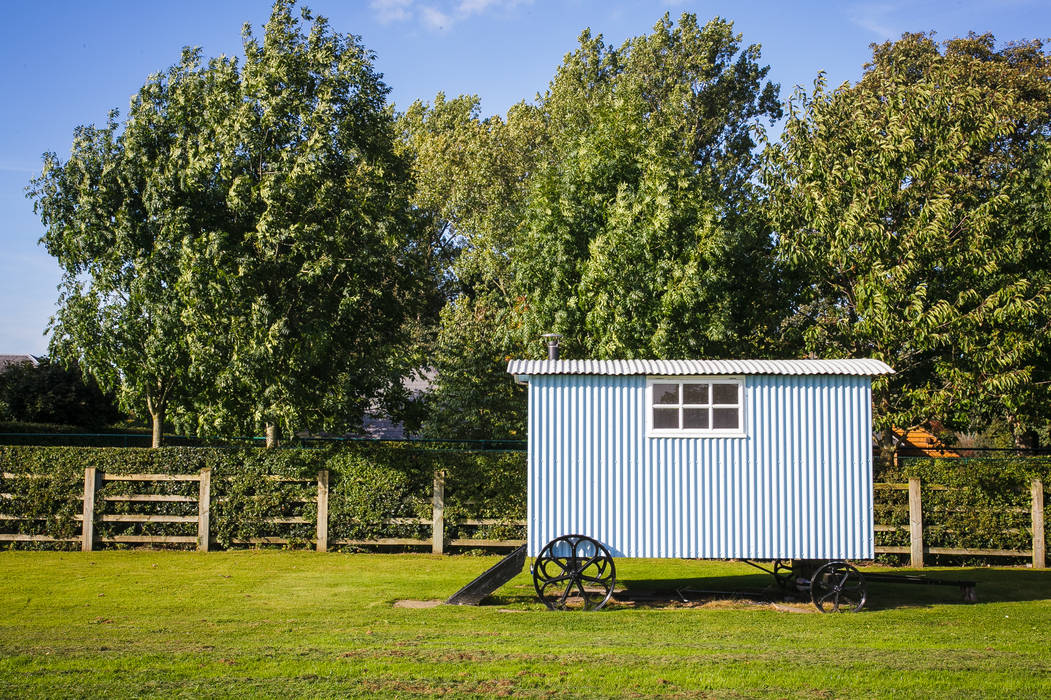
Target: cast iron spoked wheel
point(838, 587)
point(574, 572)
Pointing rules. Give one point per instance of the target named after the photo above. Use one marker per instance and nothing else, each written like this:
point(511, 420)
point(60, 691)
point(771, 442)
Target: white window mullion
point(698, 388)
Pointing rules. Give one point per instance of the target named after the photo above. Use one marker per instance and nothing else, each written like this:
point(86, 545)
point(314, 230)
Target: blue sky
point(68, 63)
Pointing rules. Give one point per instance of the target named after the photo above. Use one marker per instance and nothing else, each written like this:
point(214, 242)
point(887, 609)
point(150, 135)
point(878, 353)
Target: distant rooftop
point(380, 427)
point(8, 361)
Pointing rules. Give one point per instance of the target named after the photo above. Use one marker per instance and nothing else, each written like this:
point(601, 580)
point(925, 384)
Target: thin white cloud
point(434, 19)
point(439, 15)
point(14, 166)
point(388, 11)
point(467, 8)
point(876, 17)
point(470, 7)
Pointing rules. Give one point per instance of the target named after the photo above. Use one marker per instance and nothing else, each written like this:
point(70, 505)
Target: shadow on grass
point(993, 586)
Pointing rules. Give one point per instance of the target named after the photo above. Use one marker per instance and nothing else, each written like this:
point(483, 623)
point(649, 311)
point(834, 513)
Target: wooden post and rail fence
point(94, 507)
point(917, 549)
point(93, 503)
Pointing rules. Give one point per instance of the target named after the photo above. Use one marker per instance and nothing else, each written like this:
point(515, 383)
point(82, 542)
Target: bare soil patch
point(417, 604)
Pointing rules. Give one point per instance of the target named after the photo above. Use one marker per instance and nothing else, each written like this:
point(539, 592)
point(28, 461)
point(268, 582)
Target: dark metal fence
point(950, 451)
point(304, 442)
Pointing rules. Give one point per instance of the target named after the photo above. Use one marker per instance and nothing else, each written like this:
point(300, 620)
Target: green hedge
point(987, 506)
point(367, 484)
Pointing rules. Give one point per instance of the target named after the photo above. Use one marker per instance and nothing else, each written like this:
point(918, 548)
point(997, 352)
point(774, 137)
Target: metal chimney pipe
point(552, 345)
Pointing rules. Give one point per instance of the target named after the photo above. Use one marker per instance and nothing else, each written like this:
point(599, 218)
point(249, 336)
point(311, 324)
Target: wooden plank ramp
point(493, 577)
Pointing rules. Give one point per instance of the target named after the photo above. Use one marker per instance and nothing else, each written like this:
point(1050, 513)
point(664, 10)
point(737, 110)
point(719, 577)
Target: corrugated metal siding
point(798, 487)
point(860, 367)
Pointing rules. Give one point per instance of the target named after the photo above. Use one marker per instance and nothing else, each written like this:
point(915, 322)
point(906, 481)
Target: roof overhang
point(523, 369)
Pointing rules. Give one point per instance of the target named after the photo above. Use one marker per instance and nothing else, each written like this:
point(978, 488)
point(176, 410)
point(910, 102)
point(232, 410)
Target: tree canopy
point(641, 234)
point(118, 215)
point(296, 306)
point(913, 204)
point(620, 210)
point(241, 250)
point(265, 244)
point(471, 181)
point(50, 393)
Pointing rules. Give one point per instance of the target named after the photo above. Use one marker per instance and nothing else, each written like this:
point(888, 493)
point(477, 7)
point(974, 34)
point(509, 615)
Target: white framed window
point(695, 407)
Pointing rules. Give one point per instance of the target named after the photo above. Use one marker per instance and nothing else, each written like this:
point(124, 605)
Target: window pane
point(664, 418)
point(725, 418)
point(695, 393)
point(696, 418)
point(665, 393)
point(724, 393)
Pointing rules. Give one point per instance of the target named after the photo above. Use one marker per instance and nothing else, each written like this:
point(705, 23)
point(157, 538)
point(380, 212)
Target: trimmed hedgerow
point(41, 486)
point(366, 489)
point(251, 488)
point(987, 504)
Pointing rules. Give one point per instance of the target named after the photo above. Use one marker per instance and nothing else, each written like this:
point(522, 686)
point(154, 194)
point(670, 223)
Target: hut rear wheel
point(838, 587)
point(574, 572)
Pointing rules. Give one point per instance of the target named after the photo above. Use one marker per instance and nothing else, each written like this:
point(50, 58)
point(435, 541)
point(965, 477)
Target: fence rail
point(917, 549)
point(93, 505)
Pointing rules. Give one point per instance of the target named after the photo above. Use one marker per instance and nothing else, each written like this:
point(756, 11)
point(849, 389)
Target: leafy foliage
point(365, 491)
point(473, 397)
point(641, 237)
point(43, 485)
point(620, 210)
point(51, 393)
point(295, 307)
point(913, 206)
point(472, 176)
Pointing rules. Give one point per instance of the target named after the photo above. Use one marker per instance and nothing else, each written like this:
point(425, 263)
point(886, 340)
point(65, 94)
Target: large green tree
point(620, 209)
point(914, 205)
point(117, 215)
point(296, 307)
point(471, 179)
point(642, 237)
point(240, 253)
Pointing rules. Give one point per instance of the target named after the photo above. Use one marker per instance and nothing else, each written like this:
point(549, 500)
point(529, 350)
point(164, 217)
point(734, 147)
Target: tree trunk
point(271, 435)
point(158, 429)
point(887, 452)
point(1027, 440)
point(1025, 437)
point(886, 447)
point(157, 413)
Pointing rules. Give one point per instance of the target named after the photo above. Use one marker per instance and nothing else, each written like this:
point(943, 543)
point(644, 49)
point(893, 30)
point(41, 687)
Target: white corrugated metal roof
point(860, 367)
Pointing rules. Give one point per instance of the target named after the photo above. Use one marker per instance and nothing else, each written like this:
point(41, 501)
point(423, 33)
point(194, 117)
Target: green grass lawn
point(269, 623)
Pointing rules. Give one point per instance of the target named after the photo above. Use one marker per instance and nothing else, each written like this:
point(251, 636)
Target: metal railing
point(144, 439)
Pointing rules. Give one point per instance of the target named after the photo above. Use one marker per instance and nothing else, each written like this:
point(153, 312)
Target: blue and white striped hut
point(749, 459)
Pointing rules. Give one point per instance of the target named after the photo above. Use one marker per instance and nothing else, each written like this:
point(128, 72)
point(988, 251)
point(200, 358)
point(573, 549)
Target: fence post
point(1039, 544)
point(87, 530)
point(438, 514)
point(322, 510)
point(915, 525)
point(204, 508)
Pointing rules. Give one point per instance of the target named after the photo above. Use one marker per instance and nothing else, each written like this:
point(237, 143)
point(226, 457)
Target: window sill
point(696, 434)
